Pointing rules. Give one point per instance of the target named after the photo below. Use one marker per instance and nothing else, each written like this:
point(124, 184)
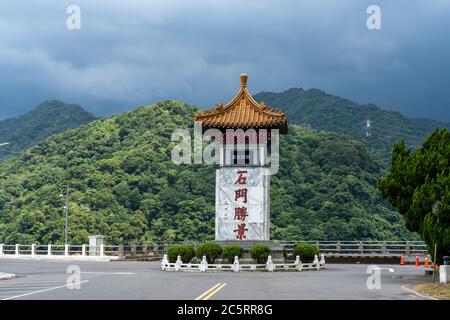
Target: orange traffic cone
point(425, 264)
point(402, 260)
point(417, 261)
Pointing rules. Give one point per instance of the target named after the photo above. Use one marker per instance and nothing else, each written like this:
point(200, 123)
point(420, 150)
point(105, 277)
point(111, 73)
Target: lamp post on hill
point(66, 207)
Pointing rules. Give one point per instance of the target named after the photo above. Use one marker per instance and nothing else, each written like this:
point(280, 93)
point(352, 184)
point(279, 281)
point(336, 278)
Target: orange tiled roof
point(243, 112)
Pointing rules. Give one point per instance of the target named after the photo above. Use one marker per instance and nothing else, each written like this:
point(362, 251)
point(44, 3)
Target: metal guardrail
point(157, 250)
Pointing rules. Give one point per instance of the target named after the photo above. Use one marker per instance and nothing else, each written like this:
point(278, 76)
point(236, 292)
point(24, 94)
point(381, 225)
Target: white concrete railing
point(58, 252)
point(203, 266)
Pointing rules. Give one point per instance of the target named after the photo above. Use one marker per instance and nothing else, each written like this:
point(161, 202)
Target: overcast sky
point(131, 53)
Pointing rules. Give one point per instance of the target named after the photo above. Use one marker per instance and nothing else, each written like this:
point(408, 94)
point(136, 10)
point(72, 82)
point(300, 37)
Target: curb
point(6, 276)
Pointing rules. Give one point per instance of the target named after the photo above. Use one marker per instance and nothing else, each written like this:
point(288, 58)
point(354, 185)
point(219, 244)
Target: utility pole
point(66, 207)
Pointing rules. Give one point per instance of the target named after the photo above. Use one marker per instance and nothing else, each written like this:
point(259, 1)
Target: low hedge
point(185, 252)
point(230, 251)
point(260, 252)
point(306, 251)
point(211, 250)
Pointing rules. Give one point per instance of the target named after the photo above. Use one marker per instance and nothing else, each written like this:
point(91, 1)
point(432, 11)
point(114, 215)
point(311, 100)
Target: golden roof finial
point(244, 79)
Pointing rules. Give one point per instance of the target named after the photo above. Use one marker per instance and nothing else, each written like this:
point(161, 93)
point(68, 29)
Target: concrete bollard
point(269, 264)
point(322, 259)
point(298, 263)
point(316, 262)
point(164, 261)
point(66, 250)
point(203, 264)
point(443, 273)
point(178, 263)
point(33, 250)
point(16, 252)
point(1, 249)
point(102, 250)
point(83, 250)
point(49, 250)
point(236, 264)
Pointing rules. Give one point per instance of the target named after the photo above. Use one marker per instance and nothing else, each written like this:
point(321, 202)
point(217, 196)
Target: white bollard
point(443, 273)
point(298, 263)
point(236, 264)
point(164, 261)
point(49, 250)
point(33, 250)
point(269, 264)
point(17, 250)
point(322, 259)
point(178, 263)
point(66, 250)
point(203, 264)
point(1, 249)
point(102, 250)
point(83, 250)
point(316, 262)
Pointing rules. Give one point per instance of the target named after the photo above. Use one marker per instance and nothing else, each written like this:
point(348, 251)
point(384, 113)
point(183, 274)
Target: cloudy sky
point(131, 53)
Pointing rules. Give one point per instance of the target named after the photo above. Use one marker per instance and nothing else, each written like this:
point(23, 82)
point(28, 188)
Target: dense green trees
point(418, 184)
point(50, 117)
point(331, 113)
point(125, 186)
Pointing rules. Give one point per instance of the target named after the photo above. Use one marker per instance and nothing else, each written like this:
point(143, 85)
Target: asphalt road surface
point(145, 280)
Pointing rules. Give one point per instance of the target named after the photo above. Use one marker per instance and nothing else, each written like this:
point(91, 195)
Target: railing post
point(133, 250)
point(120, 250)
point(33, 250)
point(145, 250)
point(318, 246)
point(83, 250)
point(383, 248)
point(102, 250)
point(338, 247)
point(408, 248)
point(1, 249)
point(66, 250)
point(155, 250)
point(361, 247)
point(49, 250)
point(17, 249)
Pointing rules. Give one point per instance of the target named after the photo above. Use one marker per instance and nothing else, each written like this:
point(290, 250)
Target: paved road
point(144, 280)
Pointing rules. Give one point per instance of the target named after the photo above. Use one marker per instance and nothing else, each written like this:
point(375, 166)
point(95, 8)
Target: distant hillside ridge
point(327, 112)
point(50, 117)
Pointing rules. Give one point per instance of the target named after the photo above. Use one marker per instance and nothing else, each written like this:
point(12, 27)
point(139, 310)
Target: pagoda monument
point(247, 129)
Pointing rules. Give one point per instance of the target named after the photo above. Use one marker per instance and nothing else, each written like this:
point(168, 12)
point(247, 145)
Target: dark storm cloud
point(136, 52)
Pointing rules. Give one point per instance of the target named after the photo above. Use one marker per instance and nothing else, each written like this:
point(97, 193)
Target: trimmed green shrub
point(260, 252)
point(230, 251)
point(185, 252)
point(306, 251)
point(211, 250)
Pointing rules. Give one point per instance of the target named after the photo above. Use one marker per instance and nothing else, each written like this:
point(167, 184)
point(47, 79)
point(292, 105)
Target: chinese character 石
point(240, 193)
point(242, 179)
point(240, 231)
point(240, 213)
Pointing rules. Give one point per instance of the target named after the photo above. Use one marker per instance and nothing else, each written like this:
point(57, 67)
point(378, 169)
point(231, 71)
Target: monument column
point(243, 179)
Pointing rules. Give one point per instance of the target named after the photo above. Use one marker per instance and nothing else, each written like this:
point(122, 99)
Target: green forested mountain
point(124, 185)
point(48, 118)
point(331, 113)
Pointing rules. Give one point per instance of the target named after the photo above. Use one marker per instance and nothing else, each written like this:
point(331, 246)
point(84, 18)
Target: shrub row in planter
point(213, 251)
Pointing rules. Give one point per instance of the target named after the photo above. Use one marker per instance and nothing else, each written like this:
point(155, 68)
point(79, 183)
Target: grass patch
point(439, 291)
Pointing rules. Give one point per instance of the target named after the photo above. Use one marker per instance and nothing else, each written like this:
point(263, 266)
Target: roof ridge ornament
point(244, 78)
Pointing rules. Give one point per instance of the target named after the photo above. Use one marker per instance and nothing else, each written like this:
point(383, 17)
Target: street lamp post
point(66, 207)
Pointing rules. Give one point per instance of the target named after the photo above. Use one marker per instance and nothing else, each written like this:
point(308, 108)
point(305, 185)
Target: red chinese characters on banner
point(241, 229)
point(240, 213)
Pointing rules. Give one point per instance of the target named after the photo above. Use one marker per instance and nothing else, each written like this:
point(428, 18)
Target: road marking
point(416, 293)
point(44, 290)
point(210, 292)
point(119, 273)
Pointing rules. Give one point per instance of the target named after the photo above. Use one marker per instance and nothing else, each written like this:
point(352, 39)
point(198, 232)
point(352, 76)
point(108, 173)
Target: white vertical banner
point(242, 203)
